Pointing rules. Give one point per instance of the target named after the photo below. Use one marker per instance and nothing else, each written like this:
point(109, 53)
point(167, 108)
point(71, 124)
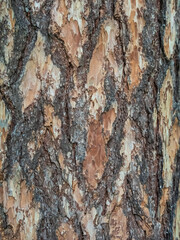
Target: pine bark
point(89, 119)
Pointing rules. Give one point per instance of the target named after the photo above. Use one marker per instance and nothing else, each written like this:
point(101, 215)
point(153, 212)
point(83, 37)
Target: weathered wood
point(89, 119)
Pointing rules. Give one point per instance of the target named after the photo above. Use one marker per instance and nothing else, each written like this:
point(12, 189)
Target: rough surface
point(89, 120)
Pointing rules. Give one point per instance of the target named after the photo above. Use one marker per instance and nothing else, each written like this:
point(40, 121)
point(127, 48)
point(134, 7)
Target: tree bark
point(89, 119)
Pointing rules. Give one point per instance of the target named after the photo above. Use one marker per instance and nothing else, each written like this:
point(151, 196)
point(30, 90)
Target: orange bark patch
point(96, 72)
point(95, 161)
point(144, 203)
point(135, 69)
point(71, 36)
point(26, 196)
point(95, 79)
point(146, 221)
point(166, 39)
point(164, 199)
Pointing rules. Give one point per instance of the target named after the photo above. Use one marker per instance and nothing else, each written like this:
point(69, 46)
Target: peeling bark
point(89, 119)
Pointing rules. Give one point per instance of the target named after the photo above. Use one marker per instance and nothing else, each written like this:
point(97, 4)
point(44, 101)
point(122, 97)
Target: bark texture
point(89, 119)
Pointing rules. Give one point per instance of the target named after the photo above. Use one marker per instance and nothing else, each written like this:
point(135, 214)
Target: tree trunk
point(89, 119)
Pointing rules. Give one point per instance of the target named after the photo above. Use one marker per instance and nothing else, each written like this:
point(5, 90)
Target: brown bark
point(89, 119)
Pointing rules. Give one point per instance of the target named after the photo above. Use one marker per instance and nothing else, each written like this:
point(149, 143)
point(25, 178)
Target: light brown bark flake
point(66, 231)
point(176, 224)
point(71, 35)
point(88, 224)
point(68, 23)
point(40, 74)
point(78, 195)
point(118, 225)
point(5, 120)
point(170, 30)
point(95, 78)
point(135, 52)
point(18, 204)
point(108, 120)
point(52, 121)
point(170, 134)
point(95, 161)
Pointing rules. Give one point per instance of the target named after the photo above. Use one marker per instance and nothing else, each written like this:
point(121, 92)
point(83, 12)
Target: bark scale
point(89, 119)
